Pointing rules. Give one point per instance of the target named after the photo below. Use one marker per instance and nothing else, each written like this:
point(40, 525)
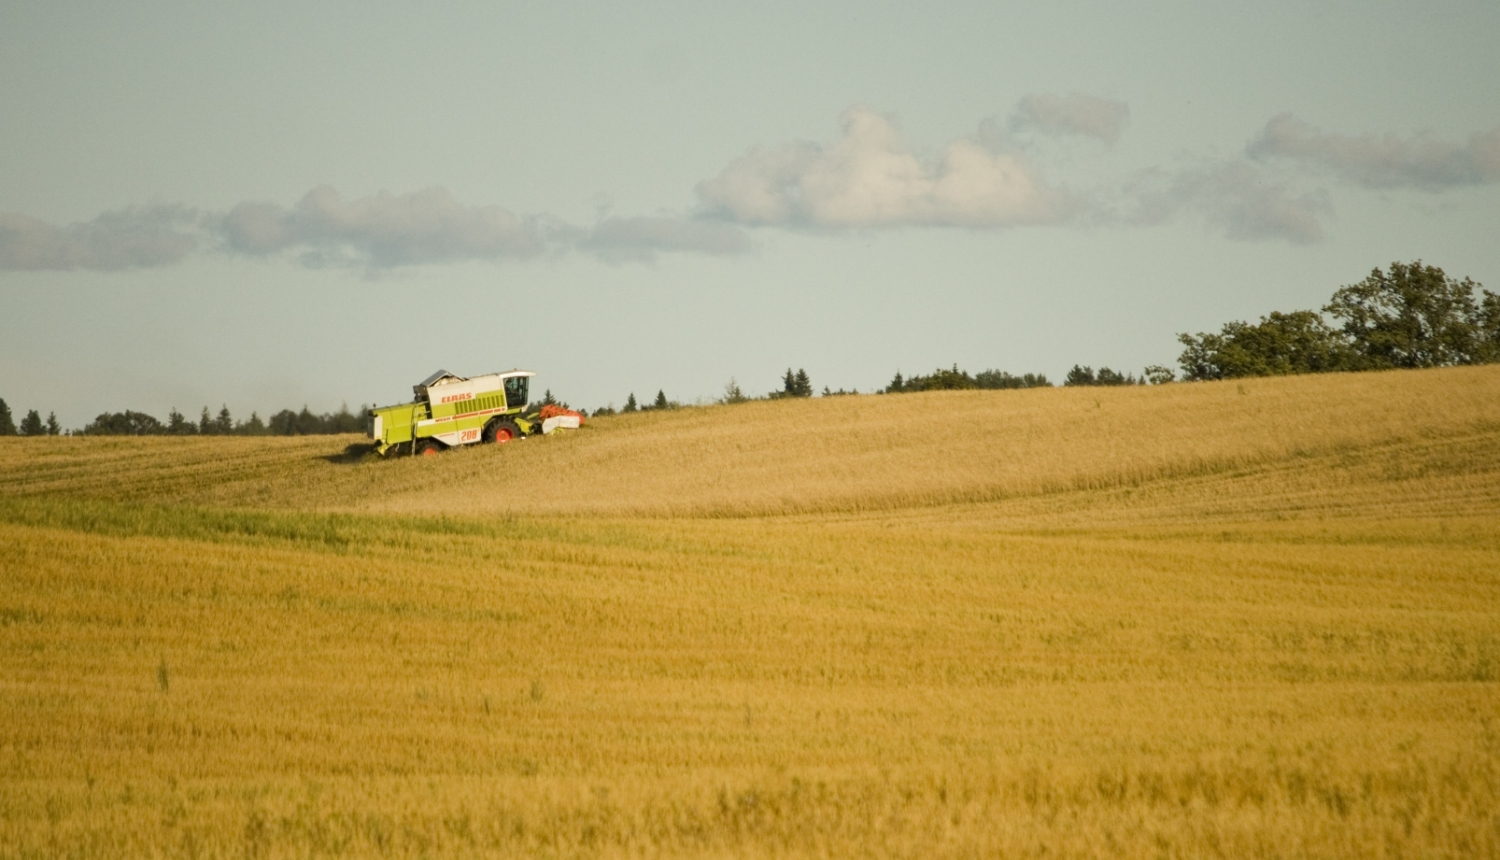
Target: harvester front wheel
point(429, 448)
point(399, 449)
point(501, 432)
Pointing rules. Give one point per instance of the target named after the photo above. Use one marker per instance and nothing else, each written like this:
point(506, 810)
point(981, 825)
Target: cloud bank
point(1382, 161)
point(324, 229)
point(1235, 196)
point(869, 177)
point(1089, 116)
point(133, 238)
point(641, 238)
point(382, 231)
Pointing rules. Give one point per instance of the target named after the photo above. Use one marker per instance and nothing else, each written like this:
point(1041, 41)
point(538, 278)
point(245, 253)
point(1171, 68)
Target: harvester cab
point(452, 410)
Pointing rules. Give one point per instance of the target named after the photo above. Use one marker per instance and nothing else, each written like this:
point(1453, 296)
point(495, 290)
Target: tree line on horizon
point(1410, 316)
point(798, 383)
point(132, 423)
point(31, 425)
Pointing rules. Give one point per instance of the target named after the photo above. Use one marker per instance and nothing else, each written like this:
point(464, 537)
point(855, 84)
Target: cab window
point(515, 391)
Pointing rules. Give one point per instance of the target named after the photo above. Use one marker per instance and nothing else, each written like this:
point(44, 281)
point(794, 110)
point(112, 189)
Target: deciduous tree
point(1414, 315)
point(125, 423)
point(1084, 375)
point(999, 379)
point(1280, 344)
point(31, 425)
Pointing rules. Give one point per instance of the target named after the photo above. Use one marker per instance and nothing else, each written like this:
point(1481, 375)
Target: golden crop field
point(1241, 619)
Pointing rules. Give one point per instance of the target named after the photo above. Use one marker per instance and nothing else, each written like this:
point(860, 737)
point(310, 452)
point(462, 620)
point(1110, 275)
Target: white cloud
point(1080, 114)
point(870, 178)
point(641, 238)
point(136, 237)
point(1383, 161)
point(1238, 197)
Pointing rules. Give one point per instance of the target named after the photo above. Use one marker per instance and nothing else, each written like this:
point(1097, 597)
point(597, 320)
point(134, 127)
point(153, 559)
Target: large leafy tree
point(1279, 345)
point(1413, 315)
point(1488, 348)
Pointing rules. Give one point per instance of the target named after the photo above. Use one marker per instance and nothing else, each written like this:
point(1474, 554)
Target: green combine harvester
point(452, 410)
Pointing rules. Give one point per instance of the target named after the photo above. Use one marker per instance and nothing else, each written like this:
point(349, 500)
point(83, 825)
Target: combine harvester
point(451, 410)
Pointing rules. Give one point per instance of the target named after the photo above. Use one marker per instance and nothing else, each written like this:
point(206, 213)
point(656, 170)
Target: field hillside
point(1239, 619)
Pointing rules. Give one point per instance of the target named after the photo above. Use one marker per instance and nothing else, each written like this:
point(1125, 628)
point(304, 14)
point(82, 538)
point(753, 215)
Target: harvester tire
point(501, 431)
point(400, 449)
point(429, 448)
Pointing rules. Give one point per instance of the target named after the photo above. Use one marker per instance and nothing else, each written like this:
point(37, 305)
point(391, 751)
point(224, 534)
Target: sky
point(272, 205)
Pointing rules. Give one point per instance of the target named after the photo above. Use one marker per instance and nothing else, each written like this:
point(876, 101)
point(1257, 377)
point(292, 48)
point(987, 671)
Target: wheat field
point(1243, 619)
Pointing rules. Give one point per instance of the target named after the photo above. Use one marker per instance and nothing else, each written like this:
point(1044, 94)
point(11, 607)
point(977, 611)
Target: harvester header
point(452, 410)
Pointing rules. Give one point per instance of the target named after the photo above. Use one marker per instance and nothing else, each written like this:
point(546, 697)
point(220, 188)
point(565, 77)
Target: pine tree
point(789, 384)
point(224, 424)
point(802, 384)
point(732, 392)
point(308, 424)
point(53, 428)
point(630, 405)
point(7, 424)
point(661, 400)
point(205, 423)
point(178, 425)
point(31, 425)
point(1080, 375)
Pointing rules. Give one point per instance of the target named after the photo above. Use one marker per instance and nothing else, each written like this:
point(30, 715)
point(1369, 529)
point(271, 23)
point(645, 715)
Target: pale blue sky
point(632, 197)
